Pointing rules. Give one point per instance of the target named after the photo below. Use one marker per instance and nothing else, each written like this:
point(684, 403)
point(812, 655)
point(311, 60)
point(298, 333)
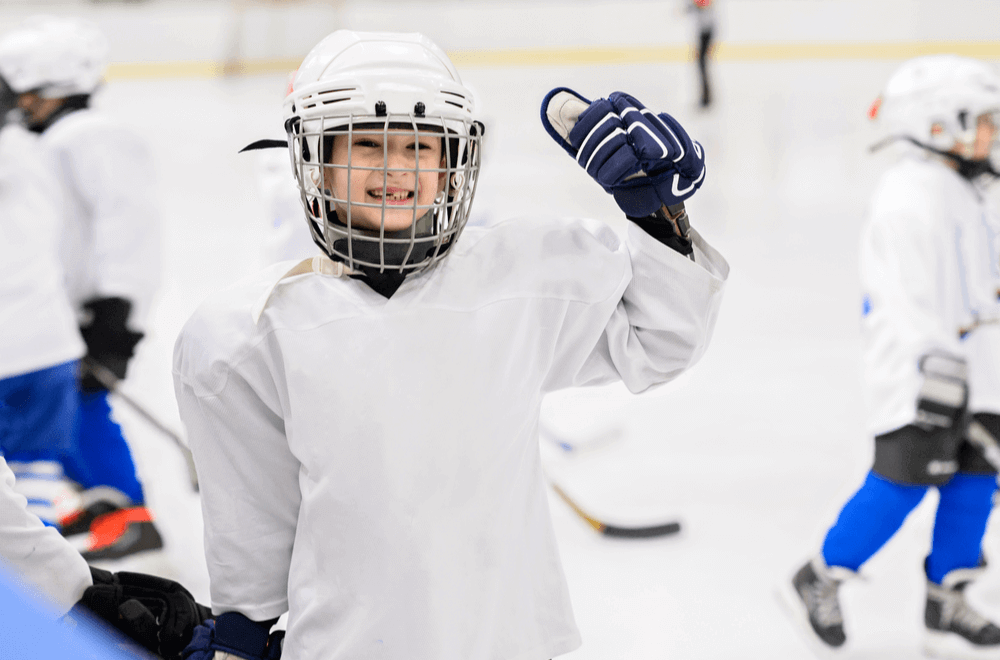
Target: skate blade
point(795, 610)
point(151, 562)
point(953, 647)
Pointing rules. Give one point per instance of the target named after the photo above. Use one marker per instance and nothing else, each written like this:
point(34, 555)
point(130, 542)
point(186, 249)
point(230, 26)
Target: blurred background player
point(285, 235)
point(39, 341)
point(922, 276)
point(704, 13)
point(439, 547)
point(110, 250)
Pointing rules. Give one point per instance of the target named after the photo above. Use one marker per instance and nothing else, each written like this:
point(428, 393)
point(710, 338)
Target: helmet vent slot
point(328, 97)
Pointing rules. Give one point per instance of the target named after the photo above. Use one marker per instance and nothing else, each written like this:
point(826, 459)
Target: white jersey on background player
point(982, 339)
point(111, 233)
point(927, 237)
point(367, 438)
point(37, 325)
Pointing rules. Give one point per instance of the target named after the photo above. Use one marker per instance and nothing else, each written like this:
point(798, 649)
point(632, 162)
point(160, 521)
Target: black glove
point(109, 341)
point(157, 613)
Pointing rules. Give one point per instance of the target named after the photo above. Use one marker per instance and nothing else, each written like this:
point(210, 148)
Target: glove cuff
point(660, 227)
point(235, 633)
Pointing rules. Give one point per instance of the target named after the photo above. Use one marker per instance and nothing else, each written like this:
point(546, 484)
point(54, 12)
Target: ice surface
point(754, 450)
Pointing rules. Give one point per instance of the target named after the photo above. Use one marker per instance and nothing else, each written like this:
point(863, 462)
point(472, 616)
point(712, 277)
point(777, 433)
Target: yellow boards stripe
point(590, 56)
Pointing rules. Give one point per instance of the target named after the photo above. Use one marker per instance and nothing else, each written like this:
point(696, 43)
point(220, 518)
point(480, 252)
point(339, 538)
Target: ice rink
point(754, 450)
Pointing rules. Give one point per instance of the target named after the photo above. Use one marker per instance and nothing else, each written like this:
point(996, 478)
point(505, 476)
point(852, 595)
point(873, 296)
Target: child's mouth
point(391, 195)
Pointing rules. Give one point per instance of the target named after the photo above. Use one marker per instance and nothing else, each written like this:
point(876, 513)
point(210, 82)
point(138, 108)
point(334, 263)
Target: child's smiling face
point(383, 170)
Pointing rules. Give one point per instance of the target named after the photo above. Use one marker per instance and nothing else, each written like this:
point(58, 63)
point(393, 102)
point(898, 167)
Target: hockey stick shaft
point(645, 531)
point(111, 382)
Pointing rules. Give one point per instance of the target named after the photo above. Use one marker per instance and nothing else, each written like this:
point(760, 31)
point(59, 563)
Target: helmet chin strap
point(967, 168)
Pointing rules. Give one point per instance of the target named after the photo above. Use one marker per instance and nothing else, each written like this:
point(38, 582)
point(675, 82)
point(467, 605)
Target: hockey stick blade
point(618, 531)
point(110, 381)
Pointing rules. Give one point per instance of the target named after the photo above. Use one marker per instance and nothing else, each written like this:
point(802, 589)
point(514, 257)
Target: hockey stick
point(617, 531)
point(110, 381)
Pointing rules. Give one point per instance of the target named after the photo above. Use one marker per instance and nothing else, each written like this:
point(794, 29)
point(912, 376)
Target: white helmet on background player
point(53, 57)
point(367, 82)
point(936, 101)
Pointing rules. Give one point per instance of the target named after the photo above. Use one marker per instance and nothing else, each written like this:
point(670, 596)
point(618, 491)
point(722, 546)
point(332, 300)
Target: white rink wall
point(210, 31)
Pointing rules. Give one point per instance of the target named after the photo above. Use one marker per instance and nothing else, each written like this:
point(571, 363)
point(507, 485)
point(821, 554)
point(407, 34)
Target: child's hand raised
point(645, 160)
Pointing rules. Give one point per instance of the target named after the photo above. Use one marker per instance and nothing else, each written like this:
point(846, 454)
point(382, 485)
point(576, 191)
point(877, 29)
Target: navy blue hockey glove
point(645, 160)
point(237, 635)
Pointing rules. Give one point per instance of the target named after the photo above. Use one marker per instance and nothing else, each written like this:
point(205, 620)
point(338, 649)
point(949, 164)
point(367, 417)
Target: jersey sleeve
point(248, 477)
point(903, 258)
point(111, 173)
point(656, 324)
point(37, 554)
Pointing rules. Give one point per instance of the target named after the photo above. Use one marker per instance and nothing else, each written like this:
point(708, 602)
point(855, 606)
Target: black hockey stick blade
point(652, 531)
point(618, 531)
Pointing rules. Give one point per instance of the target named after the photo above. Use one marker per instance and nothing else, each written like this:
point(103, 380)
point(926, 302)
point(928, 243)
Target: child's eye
point(367, 143)
point(424, 146)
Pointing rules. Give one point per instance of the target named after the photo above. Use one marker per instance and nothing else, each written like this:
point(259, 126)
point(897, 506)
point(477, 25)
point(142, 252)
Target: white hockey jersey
point(37, 326)
point(111, 234)
point(923, 280)
point(38, 555)
point(982, 339)
point(372, 466)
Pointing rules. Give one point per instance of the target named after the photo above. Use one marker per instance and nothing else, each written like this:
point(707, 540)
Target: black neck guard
point(69, 104)
point(388, 280)
point(385, 283)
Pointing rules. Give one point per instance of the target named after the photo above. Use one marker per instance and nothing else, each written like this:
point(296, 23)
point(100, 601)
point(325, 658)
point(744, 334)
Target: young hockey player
point(365, 422)
point(39, 341)
point(110, 251)
point(925, 267)
point(704, 11)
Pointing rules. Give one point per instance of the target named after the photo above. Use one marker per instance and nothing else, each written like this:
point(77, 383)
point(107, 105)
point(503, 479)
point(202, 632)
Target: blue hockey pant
point(877, 510)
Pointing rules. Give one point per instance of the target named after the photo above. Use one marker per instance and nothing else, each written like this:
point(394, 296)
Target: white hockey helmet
point(376, 83)
point(936, 100)
point(53, 56)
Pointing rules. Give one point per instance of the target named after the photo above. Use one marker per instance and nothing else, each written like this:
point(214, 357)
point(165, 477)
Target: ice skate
point(90, 504)
point(954, 629)
point(121, 533)
point(811, 596)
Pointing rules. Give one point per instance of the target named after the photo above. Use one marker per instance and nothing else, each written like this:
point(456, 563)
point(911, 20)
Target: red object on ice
point(873, 110)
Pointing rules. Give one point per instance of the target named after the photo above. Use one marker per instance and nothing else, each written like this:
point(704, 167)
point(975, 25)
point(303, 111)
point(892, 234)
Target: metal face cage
point(354, 231)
